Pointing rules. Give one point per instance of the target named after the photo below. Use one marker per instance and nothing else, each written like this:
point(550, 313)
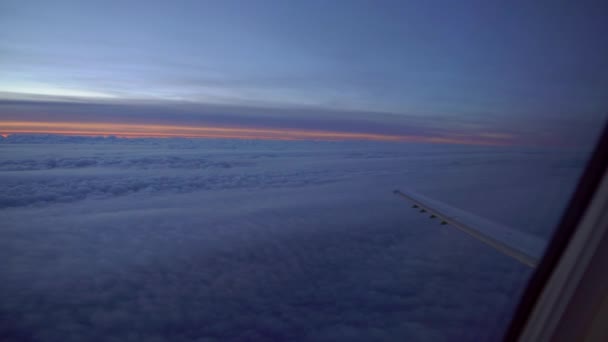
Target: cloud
point(183, 167)
point(264, 275)
point(552, 129)
point(158, 240)
point(123, 163)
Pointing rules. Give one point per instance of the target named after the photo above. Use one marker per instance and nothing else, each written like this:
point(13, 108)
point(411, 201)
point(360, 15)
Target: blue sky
point(495, 67)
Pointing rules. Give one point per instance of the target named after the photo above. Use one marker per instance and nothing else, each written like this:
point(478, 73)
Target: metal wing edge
point(520, 246)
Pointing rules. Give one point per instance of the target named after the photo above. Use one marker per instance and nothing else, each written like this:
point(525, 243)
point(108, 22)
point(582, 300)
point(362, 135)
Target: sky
point(475, 72)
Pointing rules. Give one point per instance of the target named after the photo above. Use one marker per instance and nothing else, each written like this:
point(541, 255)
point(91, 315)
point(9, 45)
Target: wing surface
point(523, 247)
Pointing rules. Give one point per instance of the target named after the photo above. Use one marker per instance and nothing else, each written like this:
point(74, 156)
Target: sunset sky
point(474, 72)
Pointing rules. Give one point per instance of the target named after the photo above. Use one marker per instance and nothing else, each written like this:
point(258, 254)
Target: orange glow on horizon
point(131, 130)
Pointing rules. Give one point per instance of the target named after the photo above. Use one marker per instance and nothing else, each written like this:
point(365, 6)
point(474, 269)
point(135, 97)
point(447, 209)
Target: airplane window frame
point(588, 203)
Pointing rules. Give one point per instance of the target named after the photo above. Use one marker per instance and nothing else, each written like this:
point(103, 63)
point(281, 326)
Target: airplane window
point(287, 171)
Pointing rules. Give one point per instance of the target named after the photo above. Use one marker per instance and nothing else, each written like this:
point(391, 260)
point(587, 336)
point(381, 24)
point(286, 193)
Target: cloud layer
point(178, 119)
point(186, 240)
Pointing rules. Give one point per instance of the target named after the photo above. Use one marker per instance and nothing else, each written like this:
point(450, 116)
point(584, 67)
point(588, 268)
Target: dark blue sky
point(497, 67)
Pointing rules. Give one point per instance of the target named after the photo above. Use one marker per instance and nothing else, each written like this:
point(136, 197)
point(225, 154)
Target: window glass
point(225, 171)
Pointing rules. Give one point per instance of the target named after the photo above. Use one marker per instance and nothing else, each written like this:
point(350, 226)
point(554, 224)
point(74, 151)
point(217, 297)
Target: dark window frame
point(587, 187)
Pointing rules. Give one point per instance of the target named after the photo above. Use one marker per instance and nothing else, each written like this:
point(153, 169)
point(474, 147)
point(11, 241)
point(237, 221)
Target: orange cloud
point(131, 130)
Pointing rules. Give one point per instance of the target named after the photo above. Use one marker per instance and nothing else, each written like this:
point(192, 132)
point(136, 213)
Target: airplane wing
point(525, 248)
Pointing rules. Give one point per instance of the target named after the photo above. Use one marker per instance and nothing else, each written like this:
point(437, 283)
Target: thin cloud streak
point(552, 130)
point(129, 130)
